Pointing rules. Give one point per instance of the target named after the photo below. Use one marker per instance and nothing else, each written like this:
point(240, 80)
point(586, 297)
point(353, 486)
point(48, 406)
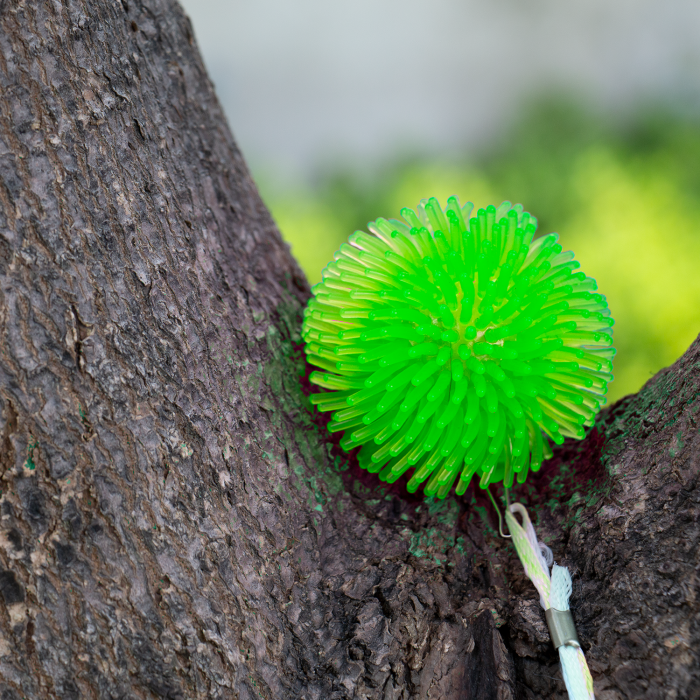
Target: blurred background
point(586, 111)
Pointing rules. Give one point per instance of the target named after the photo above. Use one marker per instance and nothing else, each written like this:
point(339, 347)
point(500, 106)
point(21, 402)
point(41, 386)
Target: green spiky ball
point(453, 343)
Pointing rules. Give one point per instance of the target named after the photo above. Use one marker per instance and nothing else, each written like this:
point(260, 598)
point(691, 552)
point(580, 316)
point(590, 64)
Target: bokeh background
point(585, 111)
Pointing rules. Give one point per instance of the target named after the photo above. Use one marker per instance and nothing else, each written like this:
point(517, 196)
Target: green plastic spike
point(457, 346)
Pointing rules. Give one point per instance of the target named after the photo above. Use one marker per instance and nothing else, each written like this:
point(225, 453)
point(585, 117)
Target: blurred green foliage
point(625, 197)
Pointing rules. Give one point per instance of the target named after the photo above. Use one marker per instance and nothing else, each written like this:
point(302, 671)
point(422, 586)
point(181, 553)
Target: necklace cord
point(555, 590)
point(498, 512)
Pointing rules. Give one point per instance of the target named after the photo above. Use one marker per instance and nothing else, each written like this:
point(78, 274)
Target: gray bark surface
point(174, 520)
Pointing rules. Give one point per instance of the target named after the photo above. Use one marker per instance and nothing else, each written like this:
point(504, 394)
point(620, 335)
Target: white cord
point(554, 593)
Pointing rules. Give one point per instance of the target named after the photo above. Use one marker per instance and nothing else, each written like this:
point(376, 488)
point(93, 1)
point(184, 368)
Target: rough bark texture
point(175, 523)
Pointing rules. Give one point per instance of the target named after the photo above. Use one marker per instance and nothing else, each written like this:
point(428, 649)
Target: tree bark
point(175, 522)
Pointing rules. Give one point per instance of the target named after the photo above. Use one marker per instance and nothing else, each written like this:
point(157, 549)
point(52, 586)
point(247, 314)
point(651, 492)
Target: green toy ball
point(455, 346)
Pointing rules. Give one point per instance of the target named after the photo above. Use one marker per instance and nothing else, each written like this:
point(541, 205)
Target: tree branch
point(175, 522)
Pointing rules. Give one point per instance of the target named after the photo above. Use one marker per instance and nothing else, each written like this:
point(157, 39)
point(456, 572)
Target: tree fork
point(174, 520)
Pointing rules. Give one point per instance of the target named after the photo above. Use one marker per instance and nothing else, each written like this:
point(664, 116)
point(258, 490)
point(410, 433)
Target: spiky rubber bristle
point(452, 344)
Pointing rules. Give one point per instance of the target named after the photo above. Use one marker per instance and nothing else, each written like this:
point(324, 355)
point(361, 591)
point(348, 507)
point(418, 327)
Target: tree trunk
point(175, 522)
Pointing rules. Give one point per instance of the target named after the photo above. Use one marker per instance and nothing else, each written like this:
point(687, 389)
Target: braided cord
point(554, 592)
